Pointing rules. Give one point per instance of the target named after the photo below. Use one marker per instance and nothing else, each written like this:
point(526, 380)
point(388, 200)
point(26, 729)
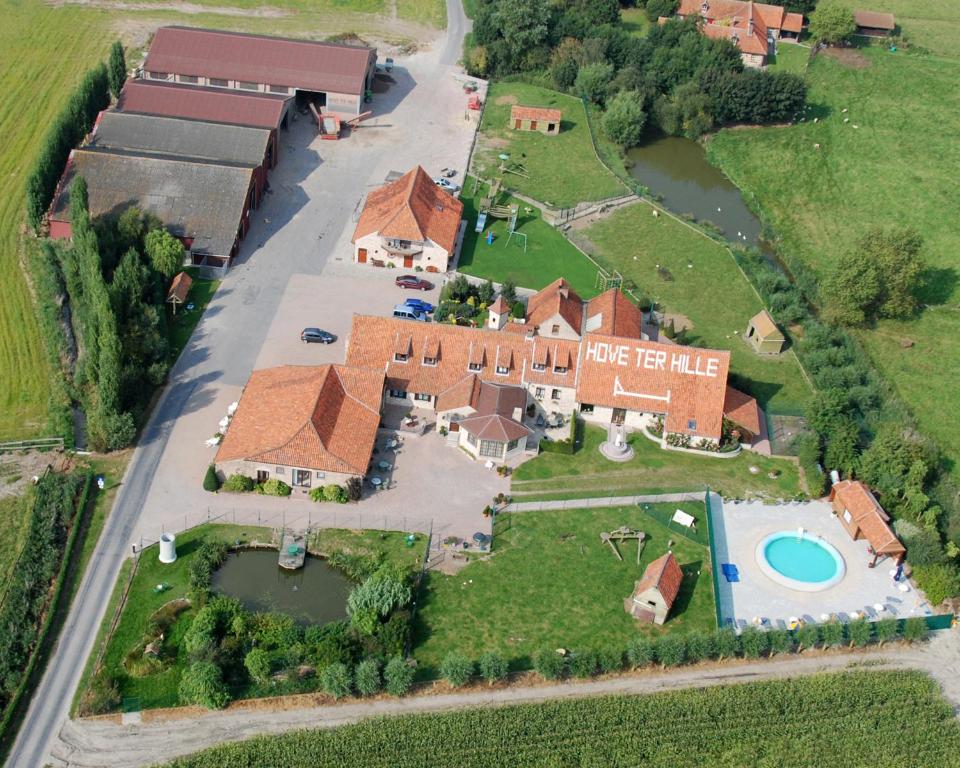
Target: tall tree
point(832, 23)
point(624, 119)
point(116, 68)
point(165, 252)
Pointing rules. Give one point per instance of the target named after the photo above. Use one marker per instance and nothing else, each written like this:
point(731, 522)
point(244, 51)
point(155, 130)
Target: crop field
point(853, 719)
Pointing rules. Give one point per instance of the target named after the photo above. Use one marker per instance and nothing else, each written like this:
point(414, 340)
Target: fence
point(40, 444)
point(604, 501)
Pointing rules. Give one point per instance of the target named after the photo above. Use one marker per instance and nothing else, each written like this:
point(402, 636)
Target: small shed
point(179, 290)
point(653, 596)
point(539, 119)
point(874, 24)
point(764, 335)
point(861, 514)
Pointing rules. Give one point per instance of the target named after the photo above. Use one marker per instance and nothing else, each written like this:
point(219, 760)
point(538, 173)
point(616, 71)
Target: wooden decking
point(293, 550)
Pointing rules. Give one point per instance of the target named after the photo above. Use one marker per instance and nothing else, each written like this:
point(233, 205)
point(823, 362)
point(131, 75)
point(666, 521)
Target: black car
point(317, 336)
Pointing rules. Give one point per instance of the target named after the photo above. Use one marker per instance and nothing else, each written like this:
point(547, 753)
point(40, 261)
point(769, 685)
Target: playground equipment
point(621, 534)
point(607, 280)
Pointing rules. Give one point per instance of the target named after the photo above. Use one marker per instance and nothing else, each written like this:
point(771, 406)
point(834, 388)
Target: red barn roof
point(665, 575)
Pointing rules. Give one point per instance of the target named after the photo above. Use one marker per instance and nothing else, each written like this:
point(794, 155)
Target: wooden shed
point(179, 290)
point(874, 24)
point(863, 517)
point(539, 119)
point(653, 596)
point(764, 335)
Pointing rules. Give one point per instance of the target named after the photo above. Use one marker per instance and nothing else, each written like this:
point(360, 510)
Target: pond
point(314, 594)
point(677, 170)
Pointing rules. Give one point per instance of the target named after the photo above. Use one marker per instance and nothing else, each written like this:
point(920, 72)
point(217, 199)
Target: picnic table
point(384, 465)
point(376, 481)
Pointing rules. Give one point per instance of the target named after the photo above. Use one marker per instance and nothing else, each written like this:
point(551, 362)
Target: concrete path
point(607, 501)
point(83, 744)
point(316, 189)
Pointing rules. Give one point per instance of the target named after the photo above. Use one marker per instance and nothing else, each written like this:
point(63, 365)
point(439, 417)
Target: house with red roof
point(542, 119)
point(753, 27)
point(862, 516)
point(656, 592)
point(409, 222)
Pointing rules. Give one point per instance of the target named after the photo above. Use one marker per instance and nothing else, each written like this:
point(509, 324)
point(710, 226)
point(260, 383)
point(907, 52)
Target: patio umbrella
point(481, 538)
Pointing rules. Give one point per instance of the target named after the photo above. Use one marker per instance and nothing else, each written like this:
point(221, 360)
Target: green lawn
point(551, 583)
point(432, 12)
point(896, 168)
point(790, 58)
point(563, 170)
point(652, 470)
point(635, 21)
point(14, 523)
point(183, 323)
point(549, 254)
point(713, 295)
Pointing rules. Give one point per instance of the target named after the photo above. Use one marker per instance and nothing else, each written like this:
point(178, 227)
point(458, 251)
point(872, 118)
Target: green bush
point(492, 667)
point(211, 482)
point(808, 636)
point(609, 661)
point(354, 488)
point(671, 650)
point(938, 582)
point(753, 642)
point(640, 652)
point(335, 493)
point(367, 677)
point(858, 632)
point(831, 633)
point(257, 662)
point(375, 599)
point(887, 630)
point(202, 684)
point(727, 643)
point(700, 646)
point(456, 669)
point(335, 680)
point(915, 629)
point(583, 663)
point(239, 484)
point(275, 487)
point(398, 676)
point(549, 664)
point(781, 641)
point(209, 557)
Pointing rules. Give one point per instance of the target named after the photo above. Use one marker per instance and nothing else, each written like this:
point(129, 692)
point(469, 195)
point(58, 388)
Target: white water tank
point(168, 547)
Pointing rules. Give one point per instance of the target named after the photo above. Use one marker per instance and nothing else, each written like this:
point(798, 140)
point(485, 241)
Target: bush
point(727, 643)
point(211, 482)
point(831, 23)
point(583, 663)
point(915, 629)
point(609, 661)
point(334, 493)
point(858, 632)
point(781, 641)
point(924, 549)
point(700, 646)
point(257, 662)
point(398, 676)
point(753, 642)
point(456, 669)
point(657, 8)
point(275, 487)
point(209, 557)
point(550, 665)
point(239, 484)
point(335, 680)
point(354, 488)
point(492, 667)
point(374, 599)
point(518, 310)
point(808, 636)
point(886, 629)
point(640, 652)
point(202, 684)
point(593, 82)
point(938, 582)
point(367, 677)
point(624, 119)
point(831, 633)
point(671, 650)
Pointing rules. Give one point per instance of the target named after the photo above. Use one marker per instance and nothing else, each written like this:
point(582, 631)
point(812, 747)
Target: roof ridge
point(347, 393)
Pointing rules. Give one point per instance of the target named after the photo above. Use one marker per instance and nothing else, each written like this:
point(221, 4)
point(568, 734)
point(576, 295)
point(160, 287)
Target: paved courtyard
point(739, 527)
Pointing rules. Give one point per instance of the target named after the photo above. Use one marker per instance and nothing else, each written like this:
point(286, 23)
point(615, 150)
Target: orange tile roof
point(665, 575)
point(869, 516)
point(518, 112)
point(499, 306)
point(688, 384)
point(793, 22)
point(412, 208)
point(765, 325)
point(314, 417)
point(180, 287)
point(730, 19)
point(613, 314)
point(556, 298)
point(742, 410)
point(495, 427)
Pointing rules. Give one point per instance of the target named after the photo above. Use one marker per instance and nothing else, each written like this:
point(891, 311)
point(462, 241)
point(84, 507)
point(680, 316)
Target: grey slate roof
point(194, 199)
point(151, 134)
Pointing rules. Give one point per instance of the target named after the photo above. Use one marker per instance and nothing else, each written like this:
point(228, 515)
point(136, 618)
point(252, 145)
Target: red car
point(413, 282)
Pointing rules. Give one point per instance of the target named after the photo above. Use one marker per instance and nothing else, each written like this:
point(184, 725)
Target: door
point(516, 124)
point(361, 255)
point(262, 476)
point(407, 262)
point(619, 414)
point(533, 125)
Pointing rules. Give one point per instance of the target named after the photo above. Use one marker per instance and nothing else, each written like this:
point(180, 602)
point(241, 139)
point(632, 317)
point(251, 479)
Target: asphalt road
point(296, 231)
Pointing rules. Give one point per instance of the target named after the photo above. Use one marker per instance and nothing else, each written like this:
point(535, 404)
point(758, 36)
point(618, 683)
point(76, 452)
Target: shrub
point(858, 632)
point(640, 652)
point(335, 680)
point(209, 557)
point(398, 676)
point(624, 119)
point(593, 82)
point(102, 696)
point(937, 581)
point(924, 548)
point(831, 23)
point(211, 482)
point(456, 669)
point(781, 641)
point(275, 631)
point(367, 677)
point(334, 493)
point(330, 643)
point(202, 684)
point(275, 487)
point(657, 8)
point(915, 629)
point(239, 484)
point(374, 599)
point(700, 646)
point(887, 629)
point(753, 642)
point(609, 661)
point(727, 643)
point(354, 489)
point(257, 662)
point(549, 664)
point(831, 633)
point(671, 650)
point(583, 663)
point(492, 667)
point(808, 636)
point(518, 310)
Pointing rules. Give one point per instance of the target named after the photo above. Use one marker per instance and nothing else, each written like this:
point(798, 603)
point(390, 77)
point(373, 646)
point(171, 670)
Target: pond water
point(314, 594)
point(677, 170)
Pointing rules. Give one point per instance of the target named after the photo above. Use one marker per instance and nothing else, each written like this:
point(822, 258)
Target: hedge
point(571, 444)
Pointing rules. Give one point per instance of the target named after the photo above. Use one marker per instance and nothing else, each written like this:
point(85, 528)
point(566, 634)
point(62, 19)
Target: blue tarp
point(730, 571)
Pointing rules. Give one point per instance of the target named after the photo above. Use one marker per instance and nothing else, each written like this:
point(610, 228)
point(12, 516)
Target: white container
point(168, 548)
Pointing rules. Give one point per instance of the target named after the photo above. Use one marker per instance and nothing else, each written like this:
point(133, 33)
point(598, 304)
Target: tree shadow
point(939, 285)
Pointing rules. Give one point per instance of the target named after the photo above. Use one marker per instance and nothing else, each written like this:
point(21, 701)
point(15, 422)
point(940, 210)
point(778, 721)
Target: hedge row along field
point(849, 719)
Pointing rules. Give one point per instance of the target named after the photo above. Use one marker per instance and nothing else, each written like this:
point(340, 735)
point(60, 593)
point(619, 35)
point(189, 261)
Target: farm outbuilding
point(540, 119)
point(874, 24)
point(654, 595)
point(764, 335)
point(862, 516)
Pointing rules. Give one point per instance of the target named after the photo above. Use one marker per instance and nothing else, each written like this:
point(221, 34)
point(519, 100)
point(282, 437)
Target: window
point(512, 444)
point(691, 423)
point(586, 407)
point(471, 438)
point(846, 515)
point(429, 361)
point(539, 367)
point(502, 370)
point(561, 369)
point(421, 396)
point(159, 75)
point(278, 89)
point(301, 477)
point(555, 394)
point(398, 393)
point(320, 475)
point(539, 393)
point(474, 367)
point(219, 82)
point(399, 357)
point(278, 470)
point(555, 329)
point(248, 86)
point(491, 449)
point(188, 79)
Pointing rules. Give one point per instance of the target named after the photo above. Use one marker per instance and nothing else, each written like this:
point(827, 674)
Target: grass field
point(635, 21)
point(858, 719)
point(551, 583)
point(14, 522)
point(713, 295)
point(790, 57)
point(549, 254)
point(651, 470)
point(820, 201)
point(183, 323)
point(563, 170)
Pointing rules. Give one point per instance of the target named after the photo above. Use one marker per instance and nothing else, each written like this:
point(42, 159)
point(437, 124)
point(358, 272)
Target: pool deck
point(739, 527)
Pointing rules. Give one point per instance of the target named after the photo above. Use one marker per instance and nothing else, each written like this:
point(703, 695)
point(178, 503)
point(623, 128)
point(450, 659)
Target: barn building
point(656, 592)
point(542, 119)
point(329, 75)
point(874, 24)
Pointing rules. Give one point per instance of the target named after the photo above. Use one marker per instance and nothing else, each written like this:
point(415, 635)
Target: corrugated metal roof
point(257, 110)
point(304, 64)
point(202, 201)
point(152, 134)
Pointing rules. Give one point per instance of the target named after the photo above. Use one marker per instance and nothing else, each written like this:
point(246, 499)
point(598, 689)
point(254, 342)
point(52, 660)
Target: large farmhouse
point(333, 76)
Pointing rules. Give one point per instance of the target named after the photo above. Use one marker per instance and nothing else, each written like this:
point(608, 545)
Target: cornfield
point(849, 719)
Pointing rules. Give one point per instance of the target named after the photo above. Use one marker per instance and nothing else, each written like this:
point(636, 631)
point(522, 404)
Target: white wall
point(432, 254)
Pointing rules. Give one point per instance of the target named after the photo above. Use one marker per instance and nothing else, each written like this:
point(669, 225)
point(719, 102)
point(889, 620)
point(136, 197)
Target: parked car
point(316, 336)
point(409, 313)
point(420, 305)
point(447, 185)
point(413, 282)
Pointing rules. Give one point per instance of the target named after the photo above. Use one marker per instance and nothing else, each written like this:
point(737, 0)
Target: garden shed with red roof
point(654, 595)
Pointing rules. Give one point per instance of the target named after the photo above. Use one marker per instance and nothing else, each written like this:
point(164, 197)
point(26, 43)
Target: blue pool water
point(803, 559)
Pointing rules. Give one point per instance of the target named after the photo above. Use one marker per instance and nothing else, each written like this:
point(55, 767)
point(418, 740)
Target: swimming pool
point(800, 561)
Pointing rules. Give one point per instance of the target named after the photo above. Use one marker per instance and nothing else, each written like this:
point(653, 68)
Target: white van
point(409, 313)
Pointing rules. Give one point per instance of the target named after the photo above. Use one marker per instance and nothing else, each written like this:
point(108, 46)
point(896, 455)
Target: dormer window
point(538, 366)
point(559, 369)
point(474, 367)
point(502, 370)
point(399, 357)
point(429, 361)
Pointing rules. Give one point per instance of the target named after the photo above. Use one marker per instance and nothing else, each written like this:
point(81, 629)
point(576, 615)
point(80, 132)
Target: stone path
point(605, 501)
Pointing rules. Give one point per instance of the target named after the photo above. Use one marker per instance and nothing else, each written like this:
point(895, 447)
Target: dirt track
point(86, 743)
